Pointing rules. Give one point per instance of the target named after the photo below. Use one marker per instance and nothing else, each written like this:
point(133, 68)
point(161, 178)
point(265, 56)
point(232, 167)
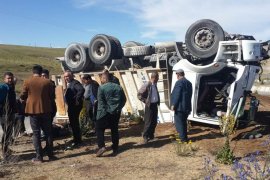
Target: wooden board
point(60, 103)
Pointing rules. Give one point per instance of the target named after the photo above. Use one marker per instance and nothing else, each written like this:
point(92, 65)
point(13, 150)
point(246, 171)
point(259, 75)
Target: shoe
point(153, 139)
point(52, 158)
point(44, 151)
point(21, 134)
point(37, 161)
point(115, 152)
point(100, 152)
point(145, 141)
point(73, 145)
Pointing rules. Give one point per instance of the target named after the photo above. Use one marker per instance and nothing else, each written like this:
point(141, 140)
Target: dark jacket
point(111, 99)
point(181, 96)
point(54, 107)
point(74, 93)
point(9, 107)
point(20, 107)
point(92, 91)
point(113, 79)
point(95, 87)
point(145, 92)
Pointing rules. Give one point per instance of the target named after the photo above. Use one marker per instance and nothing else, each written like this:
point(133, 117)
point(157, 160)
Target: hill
point(20, 59)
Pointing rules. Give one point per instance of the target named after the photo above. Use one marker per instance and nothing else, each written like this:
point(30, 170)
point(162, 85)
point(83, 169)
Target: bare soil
point(156, 160)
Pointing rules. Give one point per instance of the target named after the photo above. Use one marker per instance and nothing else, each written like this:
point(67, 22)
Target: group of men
point(37, 101)
point(103, 106)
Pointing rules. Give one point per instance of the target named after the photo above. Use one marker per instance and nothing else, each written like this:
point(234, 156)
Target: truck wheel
point(119, 53)
point(202, 38)
point(138, 51)
point(137, 61)
point(76, 57)
point(173, 60)
point(132, 44)
point(102, 49)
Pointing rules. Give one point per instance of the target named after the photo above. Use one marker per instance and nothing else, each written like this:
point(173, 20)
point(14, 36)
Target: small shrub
point(227, 127)
point(85, 125)
point(136, 118)
point(183, 148)
point(225, 155)
point(133, 118)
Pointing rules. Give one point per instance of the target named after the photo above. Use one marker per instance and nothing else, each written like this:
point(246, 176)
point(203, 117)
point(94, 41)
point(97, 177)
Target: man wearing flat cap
point(181, 103)
point(148, 94)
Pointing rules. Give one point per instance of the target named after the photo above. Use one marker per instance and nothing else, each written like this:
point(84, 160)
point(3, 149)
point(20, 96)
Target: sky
point(57, 23)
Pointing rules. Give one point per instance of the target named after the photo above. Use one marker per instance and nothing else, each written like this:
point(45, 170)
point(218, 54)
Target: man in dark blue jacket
point(7, 114)
point(74, 99)
point(181, 103)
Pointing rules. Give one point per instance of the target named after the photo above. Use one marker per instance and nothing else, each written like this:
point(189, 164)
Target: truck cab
point(221, 87)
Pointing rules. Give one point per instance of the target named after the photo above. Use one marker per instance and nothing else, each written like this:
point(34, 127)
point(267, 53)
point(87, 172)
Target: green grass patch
point(20, 60)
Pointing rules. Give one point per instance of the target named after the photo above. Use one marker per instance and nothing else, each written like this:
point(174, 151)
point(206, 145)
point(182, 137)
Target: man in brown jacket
point(37, 92)
point(149, 95)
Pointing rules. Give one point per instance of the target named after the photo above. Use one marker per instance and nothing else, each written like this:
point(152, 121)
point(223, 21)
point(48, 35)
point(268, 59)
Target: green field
point(20, 60)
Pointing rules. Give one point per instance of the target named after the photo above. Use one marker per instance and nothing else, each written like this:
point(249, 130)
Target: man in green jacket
point(111, 100)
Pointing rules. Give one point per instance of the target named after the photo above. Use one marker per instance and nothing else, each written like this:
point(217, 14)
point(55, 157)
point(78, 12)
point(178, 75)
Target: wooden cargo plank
point(130, 81)
point(133, 91)
point(60, 103)
point(127, 108)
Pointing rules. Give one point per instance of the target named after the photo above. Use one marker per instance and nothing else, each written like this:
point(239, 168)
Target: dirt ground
point(157, 160)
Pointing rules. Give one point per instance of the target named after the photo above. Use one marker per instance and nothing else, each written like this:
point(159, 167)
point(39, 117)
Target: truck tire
point(137, 61)
point(119, 53)
point(138, 51)
point(173, 60)
point(102, 49)
point(202, 38)
point(76, 57)
point(132, 44)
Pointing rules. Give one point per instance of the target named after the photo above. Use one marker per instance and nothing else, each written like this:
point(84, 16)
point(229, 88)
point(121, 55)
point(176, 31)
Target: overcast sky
point(57, 23)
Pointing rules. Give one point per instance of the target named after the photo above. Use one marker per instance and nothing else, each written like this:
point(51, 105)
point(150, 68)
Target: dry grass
point(20, 59)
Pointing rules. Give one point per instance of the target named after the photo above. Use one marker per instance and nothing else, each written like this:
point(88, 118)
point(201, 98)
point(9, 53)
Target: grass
point(20, 60)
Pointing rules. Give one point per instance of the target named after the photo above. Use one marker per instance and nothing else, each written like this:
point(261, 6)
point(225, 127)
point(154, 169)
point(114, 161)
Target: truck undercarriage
point(222, 67)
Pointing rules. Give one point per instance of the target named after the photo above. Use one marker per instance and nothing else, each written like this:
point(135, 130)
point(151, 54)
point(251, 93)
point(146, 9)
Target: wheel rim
point(75, 57)
point(204, 38)
point(99, 50)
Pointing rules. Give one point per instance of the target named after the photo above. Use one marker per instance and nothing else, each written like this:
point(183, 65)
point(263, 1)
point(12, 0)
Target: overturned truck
point(222, 68)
